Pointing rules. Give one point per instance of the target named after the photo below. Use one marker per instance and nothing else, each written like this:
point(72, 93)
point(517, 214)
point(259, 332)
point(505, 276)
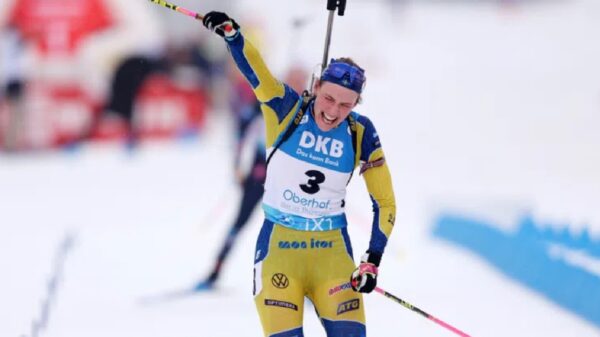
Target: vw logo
point(280, 281)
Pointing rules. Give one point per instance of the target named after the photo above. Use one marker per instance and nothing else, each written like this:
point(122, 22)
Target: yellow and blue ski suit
point(303, 249)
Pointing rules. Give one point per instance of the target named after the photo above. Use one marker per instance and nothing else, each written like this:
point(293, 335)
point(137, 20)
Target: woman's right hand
point(221, 24)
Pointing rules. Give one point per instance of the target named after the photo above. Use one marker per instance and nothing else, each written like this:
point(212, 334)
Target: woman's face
point(333, 103)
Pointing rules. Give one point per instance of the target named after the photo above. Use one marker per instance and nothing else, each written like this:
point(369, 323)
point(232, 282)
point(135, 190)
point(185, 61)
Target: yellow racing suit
point(303, 249)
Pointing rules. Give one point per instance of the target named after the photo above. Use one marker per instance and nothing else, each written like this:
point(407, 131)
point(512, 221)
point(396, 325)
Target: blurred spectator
point(125, 86)
point(12, 83)
point(182, 65)
point(250, 158)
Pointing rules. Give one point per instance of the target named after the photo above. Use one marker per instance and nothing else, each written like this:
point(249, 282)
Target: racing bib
point(307, 177)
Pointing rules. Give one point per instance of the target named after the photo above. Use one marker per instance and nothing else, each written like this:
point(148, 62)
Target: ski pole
point(406, 305)
point(421, 312)
point(178, 9)
point(183, 11)
point(332, 5)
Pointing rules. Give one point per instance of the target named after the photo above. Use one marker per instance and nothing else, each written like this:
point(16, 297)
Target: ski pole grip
point(340, 5)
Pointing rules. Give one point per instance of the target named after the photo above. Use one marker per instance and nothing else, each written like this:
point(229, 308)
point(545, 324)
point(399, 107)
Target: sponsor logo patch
point(325, 145)
point(314, 244)
point(339, 288)
point(280, 281)
point(289, 195)
point(348, 306)
point(282, 304)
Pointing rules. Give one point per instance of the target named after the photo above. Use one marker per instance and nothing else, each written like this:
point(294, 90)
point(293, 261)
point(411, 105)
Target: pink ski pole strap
point(367, 267)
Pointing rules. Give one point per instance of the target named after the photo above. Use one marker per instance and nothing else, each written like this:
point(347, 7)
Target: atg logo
point(325, 145)
point(348, 306)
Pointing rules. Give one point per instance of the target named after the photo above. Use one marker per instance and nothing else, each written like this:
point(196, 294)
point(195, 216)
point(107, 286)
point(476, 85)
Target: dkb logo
point(280, 281)
point(325, 145)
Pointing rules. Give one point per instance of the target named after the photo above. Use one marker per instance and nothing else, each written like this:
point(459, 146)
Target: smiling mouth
point(328, 119)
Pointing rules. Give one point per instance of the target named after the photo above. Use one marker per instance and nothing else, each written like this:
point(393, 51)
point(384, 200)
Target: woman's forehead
point(338, 92)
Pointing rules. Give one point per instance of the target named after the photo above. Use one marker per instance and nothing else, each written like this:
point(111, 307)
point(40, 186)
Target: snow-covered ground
point(476, 104)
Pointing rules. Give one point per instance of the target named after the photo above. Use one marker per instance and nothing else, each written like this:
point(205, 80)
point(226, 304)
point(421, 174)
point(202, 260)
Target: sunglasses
point(345, 74)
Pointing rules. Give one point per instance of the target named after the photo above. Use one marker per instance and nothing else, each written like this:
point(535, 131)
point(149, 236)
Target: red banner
point(58, 26)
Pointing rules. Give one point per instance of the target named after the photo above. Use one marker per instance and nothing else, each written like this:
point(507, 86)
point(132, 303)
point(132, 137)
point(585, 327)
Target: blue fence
point(525, 255)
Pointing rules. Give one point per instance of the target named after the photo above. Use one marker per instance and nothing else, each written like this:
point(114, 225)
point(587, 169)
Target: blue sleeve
point(278, 97)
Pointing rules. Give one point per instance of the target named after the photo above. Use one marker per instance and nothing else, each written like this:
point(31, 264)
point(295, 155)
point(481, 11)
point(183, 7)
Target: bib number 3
point(315, 178)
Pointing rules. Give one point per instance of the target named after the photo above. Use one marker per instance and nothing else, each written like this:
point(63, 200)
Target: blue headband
point(344, 74)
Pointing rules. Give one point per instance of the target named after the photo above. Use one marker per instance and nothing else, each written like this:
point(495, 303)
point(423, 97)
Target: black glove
point(364, 277)
point(221, 24)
